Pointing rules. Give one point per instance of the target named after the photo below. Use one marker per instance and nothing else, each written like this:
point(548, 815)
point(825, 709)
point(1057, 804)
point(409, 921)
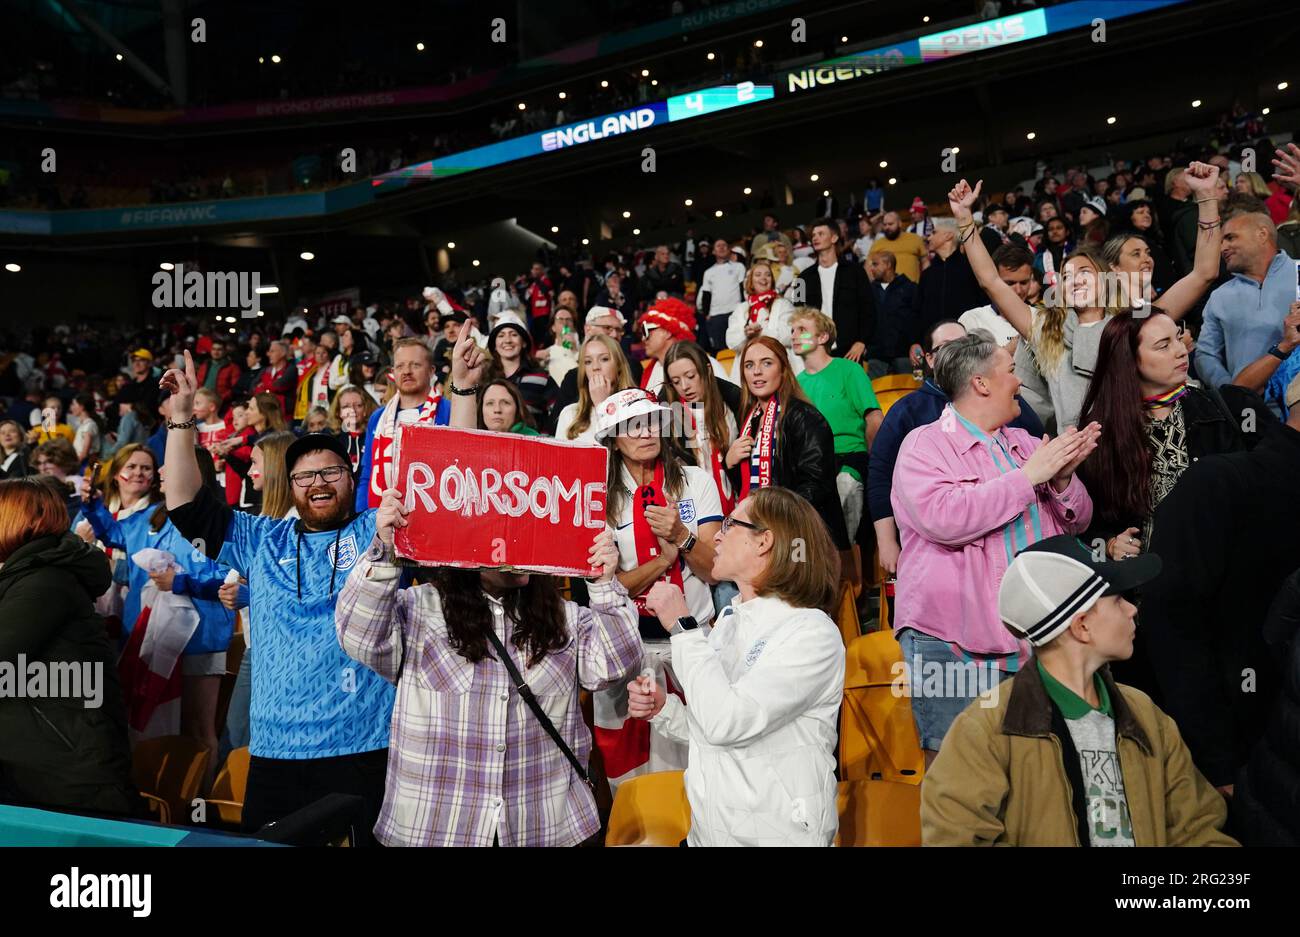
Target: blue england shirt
point(310, 700)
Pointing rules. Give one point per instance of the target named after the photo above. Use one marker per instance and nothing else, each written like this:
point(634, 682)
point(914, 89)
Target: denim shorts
point(941, 683)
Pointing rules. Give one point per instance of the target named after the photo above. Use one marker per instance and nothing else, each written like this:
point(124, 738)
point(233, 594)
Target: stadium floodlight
point(265, 290)
point(956, 149)
point(166, 266)
point(307, 255)
point(925, 19)
point(893, 180)
point(748, 190)
point(1110, 120)
point(230, 318)
point(555, 229)
point(419, 47)
point(586, 241)
point(1282, 85)
point(563, 95)
point(232, 330)
point(523, 106)
point(844, 39)
point(1030, 135)
point(718, 213)
point(476, 261)
point(1265, 111)
point(261, 60)
point(689, 202)
point(711, 56)
point(814, 177)
point(884, 164)
point(451, 245)
point(826, 193)
point(654, 82)
point(1196, 103)
point(275, 60)
point(758, 43)
point(13, 268)
point(645, 73)
point(118, 56)
point(627, 214)
point(604, 84)
point(636, 231)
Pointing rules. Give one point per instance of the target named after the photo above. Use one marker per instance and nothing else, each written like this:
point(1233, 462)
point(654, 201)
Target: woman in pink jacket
point(970, 493)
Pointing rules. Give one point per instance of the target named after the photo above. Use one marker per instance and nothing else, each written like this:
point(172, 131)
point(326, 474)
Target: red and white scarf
point(647, 544)
point(383, 455)
point(766, 416)
point(760, 306)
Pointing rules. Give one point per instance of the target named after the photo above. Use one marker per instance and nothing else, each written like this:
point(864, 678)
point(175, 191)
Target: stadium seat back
point(230, 786)
point(877, 732)
point(650, 810)
point(878, 813)
point(171, 769)
point(727, 358)
point(891, 388)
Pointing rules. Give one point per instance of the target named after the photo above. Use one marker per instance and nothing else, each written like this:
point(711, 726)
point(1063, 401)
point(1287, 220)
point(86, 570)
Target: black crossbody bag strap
point(526, 692)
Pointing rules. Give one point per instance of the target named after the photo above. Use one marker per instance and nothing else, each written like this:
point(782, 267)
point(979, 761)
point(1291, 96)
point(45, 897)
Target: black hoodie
point(55, 751)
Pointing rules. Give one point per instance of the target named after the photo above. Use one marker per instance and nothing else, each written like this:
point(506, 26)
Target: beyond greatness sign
point(498, 499)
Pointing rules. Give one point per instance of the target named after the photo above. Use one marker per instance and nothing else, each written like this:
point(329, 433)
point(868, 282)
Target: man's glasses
point(328, 475)
point(730, 522)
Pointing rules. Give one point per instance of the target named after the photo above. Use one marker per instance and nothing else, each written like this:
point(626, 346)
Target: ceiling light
point(1281, 86)
point(586, 241)
point(1030, 135)
point(884, 163)
point(689, 202)
point(307, 255)
point(892, 180)
point(748, 190)
point(956, 149)
point(261, 60)
point(655, 82)
point(627, 214)
point(13, 268)
point(230, 318)
point(476, 261)
point(275, 59)
point(758, 44)
point(219, 317)
point(636, 230)
point(925, 19)
point(1265, 111)
point(814, 177)
point(232, 330)
point(119, 56)
point(1196, 103)
point(604, 84)
point(419, 47)
point(522, 106)
point(711, 56)
point(563, 95)
point(718, 213)
point(265, 290)
point(555, 229)
point(451, 245)
point(844, 38)
point(166, 266)
point(1110, 120)
point(826, 193)
point(645, 73)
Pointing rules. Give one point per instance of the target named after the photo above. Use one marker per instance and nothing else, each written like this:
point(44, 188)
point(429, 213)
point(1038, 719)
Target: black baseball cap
point(1121, 575)
point(314, 442)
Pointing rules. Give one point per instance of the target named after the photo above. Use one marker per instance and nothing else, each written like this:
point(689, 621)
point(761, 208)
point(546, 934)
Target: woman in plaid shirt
point(469, 763)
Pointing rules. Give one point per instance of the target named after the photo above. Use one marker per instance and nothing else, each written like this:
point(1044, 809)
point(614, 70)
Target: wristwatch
point(687, 545)
point(684, 624)
point(1278, 353)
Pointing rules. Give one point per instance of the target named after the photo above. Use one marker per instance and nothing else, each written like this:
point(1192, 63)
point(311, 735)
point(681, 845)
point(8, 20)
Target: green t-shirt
point(842, 392)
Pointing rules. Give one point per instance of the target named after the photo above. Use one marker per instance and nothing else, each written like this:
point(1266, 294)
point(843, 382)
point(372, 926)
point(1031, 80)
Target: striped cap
point(1054, 580)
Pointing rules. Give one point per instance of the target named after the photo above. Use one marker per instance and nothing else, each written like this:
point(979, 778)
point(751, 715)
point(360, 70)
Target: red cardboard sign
point(482, 499)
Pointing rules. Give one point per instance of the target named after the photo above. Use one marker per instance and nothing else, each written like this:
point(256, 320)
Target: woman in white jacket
point(763, 687)
point(763, 311)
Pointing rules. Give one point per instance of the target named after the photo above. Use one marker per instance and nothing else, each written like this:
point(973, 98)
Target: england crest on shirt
point(686, 508)
point(347, 553)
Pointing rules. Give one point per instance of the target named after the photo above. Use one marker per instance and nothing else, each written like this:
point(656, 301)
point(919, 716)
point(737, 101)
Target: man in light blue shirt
point(1243, 317)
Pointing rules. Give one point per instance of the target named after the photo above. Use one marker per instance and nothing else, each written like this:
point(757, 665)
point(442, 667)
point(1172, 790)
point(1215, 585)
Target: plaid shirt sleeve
point(371, 612)
point(609, 641)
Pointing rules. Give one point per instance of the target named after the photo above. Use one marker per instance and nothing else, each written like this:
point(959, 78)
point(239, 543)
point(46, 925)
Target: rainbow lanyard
point(1167, 399)
point(1014, 536)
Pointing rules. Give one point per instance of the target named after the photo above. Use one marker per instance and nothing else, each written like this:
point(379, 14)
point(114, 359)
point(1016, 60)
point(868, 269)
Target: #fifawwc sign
point(498, 499)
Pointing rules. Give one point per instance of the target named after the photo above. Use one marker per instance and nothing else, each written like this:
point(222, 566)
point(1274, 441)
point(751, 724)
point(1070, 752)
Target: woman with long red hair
point(784, 440)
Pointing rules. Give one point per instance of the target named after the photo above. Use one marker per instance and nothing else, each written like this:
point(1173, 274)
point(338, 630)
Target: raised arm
point(183, 478)
point(468, 363)
point(609, 641)
point(1183, 295)
point(371, 611)
point(1014, 309)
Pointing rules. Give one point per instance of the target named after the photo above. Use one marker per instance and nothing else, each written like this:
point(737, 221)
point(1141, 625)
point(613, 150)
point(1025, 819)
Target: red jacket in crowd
point(227, 375)
point(283, 383)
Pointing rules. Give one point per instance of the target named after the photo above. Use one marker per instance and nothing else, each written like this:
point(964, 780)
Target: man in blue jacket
point(916, 409)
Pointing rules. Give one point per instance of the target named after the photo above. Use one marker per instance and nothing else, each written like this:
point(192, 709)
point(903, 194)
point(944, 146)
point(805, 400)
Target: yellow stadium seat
point(877, 733)
point(878, 813)
point(726, 358)
point(171, 769)
point(229, 788)
point(650, 810)
point(891, 388)
point(847, 615)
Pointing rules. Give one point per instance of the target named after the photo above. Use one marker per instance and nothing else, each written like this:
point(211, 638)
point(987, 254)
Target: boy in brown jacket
point(1062, 755)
